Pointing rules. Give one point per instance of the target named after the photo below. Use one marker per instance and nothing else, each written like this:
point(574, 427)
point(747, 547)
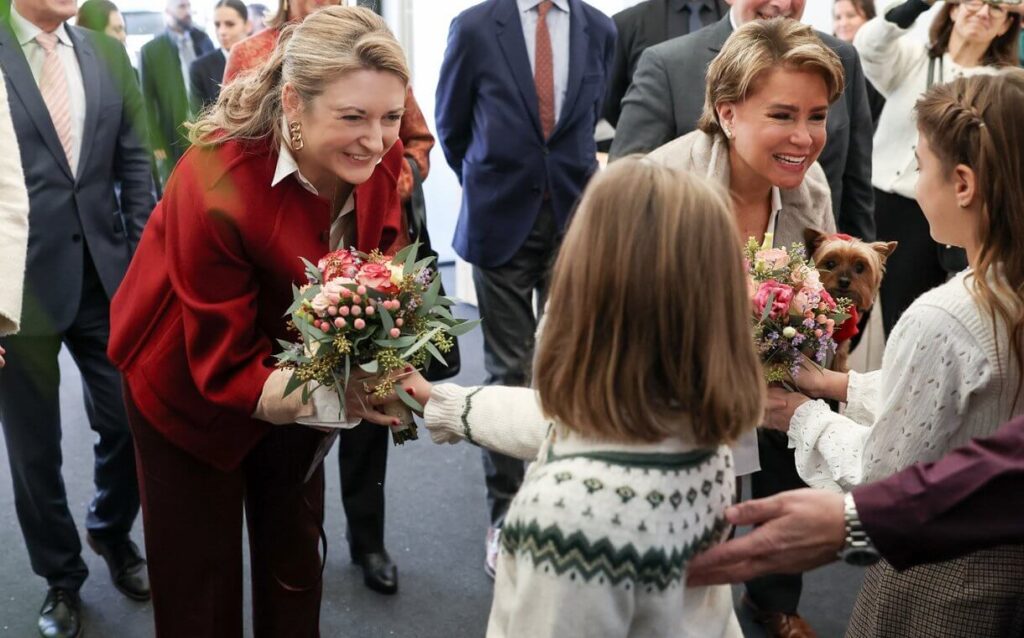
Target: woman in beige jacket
point(13, 223)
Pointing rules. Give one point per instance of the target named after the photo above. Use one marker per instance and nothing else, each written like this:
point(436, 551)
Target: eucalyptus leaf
point(370, 367)
point(419, 344)
point(313, 272)
point(401, 342)
point(434, 352)
point(403, 255)
point(385, 318)
point(462, 328)
point(768, 305)
point(430, 296)
point(294, 383)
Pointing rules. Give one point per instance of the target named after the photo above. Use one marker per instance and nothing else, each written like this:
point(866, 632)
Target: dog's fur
point(849, 268)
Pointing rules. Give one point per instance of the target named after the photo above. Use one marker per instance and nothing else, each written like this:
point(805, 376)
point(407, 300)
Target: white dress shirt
point(35, 55)
point(558, 29)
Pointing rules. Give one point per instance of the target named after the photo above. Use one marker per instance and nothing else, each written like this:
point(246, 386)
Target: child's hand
point(412, 382)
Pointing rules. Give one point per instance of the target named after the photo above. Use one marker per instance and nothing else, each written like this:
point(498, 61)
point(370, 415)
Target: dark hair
point(95, 14)
point(864, 7)
point(237, 5)
point(1000, 52)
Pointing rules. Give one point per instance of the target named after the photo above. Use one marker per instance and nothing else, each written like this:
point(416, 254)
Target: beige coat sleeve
point(13, 222)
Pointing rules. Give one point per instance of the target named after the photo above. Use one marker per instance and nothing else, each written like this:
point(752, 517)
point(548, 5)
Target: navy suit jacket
point(70, 213)
point(206, 75)
point(163, 88)
point(489, 125)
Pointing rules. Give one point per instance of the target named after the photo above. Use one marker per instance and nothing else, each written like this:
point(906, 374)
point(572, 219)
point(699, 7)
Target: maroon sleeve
point(971, 499)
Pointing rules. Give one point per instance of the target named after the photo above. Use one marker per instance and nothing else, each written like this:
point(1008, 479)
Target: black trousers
point(915, 267)
point(30, 411)
point(505, 296)
point(775, 592)
point(363, 464)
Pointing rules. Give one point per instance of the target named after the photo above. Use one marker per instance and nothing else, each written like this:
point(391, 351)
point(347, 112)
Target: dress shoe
point(126, 564)
point(61, 614)
point(379, 573)
point(778, 624)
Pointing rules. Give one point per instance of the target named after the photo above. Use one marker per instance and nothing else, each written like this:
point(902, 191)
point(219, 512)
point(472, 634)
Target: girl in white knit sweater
point(644, 372)
point(952, 368)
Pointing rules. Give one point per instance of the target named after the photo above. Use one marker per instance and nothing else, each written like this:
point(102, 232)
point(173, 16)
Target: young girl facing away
point(645, 371)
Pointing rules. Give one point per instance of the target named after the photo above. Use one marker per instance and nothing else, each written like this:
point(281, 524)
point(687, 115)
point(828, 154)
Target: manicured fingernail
point(411, 391)
point(394, 421)
point(408, 368)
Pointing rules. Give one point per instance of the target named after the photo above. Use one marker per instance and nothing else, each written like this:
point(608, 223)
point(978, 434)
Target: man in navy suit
point(164, 66)
point(77, 112)
point(519, 97)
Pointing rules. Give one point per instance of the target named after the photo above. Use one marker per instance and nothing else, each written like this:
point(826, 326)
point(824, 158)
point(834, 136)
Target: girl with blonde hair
point(637, 398)
point(953, 367)
point(291, 162)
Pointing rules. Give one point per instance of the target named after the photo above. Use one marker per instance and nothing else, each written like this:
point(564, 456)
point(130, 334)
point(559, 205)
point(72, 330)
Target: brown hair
point(325, 46)
point(761, 46)
point(1002, 51)
point(864, 7)
point(976, 121)
point(649, 336)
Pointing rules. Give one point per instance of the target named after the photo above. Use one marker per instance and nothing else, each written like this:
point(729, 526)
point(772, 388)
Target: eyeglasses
point(995, 9)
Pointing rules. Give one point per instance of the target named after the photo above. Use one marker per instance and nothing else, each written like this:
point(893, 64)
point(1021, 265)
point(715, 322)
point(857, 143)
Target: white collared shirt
point(26, 33)
point(558, 28)
point(286, 165)
point(773, 218)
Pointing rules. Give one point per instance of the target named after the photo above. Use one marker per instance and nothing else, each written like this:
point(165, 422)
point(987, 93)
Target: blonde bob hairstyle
point(756, 49)
point(328, 44)
point(648, 333)
point(976, 122)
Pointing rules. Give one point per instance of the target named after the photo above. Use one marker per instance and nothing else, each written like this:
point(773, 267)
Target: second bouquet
point(364, 318)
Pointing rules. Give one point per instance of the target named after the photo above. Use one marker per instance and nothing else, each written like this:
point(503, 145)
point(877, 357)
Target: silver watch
point(858, 549)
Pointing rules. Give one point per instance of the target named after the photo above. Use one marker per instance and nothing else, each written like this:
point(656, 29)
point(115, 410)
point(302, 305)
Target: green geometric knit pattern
point(599, 558)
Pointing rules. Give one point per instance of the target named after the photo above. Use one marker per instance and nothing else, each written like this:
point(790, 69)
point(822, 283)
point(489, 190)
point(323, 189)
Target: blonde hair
point(309, 56)
point(649, 334)
point(757, 48)
point(977, 122)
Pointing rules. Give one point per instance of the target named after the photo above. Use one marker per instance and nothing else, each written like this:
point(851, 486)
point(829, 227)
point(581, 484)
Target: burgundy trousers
point(192, 517)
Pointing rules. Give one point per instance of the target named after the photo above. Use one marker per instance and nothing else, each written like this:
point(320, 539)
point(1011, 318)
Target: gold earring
point(727, 132)
point(295, 130)
point(963, 204)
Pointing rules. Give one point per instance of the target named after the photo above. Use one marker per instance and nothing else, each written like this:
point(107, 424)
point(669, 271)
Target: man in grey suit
point(666, 99)
point(77, 111)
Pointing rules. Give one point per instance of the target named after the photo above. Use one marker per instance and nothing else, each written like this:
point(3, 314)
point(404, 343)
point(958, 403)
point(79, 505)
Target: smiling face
point(231, 27)
point(979, 22)
point(349, 127)
point(747, 10)
point(846, 20)
point(46, 14)
point(778, 131)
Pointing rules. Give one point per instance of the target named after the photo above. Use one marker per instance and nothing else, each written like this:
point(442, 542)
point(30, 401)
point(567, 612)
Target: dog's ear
point(884, 248)
point(812, 240)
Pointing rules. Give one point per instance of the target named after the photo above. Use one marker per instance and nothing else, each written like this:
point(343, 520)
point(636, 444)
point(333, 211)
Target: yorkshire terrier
point(849, 268)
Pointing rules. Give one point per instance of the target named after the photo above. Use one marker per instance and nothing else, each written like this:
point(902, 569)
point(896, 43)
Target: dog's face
point(849, 268)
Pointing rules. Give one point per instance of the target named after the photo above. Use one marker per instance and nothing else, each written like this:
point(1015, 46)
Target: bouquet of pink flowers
point(793, 314)
point(374, 313)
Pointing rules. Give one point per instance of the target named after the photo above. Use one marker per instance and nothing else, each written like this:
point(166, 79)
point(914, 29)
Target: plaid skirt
point(978, 596)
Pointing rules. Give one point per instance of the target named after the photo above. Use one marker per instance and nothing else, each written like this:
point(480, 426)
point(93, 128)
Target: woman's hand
point(780, 408)
point(821, 383)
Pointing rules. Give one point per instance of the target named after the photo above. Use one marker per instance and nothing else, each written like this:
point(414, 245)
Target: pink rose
point(804, 301)
point(340, 263)
point(774, 258)
point(378, 277)
point(783, 294)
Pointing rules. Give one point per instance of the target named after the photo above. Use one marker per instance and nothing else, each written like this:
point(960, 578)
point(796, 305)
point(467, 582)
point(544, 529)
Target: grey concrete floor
point(435, 530)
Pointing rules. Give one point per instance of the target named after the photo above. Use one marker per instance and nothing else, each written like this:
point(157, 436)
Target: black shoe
point(61, 614)
point(126, 564)
point(379, 573)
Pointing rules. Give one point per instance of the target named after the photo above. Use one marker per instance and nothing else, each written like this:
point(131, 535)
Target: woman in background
point(102, 16)
point(231, 21)
point(848, 17)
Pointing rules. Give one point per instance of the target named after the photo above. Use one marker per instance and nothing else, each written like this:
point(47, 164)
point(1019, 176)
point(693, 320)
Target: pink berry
point(399, 322)
point(394, 333)
point(334, 299)
point(370, 310)
point(361, 290)
point(818, 333)
point(356, 311)
point(339, 323)
point(821, 319)
point(332, 310)
point(324, 326)
point(345, 292)
point(359, 324)
point(356, 299)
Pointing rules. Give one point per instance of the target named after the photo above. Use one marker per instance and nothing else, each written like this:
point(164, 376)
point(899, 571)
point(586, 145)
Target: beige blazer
point(13, 221)
point(807, 206)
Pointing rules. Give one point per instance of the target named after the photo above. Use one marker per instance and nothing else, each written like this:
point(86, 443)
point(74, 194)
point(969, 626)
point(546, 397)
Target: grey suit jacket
point(75, 215)
point(667, 98)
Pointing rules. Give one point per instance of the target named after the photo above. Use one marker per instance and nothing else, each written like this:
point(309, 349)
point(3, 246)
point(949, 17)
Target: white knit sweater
point(597, 540)
point(946, 378)
point(13, 221)
point(897, 64)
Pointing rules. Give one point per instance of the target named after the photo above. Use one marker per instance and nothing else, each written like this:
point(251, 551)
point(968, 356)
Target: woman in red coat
point(291, 162)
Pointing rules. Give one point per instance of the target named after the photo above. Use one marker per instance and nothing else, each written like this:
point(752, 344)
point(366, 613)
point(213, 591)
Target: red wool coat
point(196, 320)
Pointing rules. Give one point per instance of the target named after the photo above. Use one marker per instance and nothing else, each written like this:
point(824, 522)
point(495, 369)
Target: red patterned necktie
point(543, 70)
